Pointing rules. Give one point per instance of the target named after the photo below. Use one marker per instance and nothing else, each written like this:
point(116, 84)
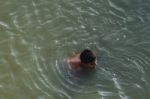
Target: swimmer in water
point(84, 60)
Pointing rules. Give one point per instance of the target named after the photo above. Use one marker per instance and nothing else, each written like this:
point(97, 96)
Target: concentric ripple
point(37, 37)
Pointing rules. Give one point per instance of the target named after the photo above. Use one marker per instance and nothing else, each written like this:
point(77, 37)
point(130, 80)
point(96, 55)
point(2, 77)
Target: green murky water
point(37, 36)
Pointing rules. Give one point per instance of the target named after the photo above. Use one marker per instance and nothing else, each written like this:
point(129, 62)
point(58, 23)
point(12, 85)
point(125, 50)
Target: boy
point(84, 60)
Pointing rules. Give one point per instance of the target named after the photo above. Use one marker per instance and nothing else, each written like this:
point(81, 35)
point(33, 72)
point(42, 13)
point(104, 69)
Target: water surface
point(37, 36)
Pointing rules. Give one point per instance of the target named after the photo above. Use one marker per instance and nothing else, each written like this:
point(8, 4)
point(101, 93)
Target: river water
point(37, 36)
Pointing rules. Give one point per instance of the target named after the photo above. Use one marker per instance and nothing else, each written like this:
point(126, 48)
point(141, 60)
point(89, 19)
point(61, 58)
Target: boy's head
point(87, 56)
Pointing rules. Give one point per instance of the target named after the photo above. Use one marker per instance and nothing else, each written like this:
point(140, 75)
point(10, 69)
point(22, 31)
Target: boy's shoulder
point(74, 61)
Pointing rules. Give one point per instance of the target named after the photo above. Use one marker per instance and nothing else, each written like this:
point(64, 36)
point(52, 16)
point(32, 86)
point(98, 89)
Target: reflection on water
point(36, 37)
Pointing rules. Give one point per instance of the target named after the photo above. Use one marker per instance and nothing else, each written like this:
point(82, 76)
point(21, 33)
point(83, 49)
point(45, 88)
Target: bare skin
point(76, 63)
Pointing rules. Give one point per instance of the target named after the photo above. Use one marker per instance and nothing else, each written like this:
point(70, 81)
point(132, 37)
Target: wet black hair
point(87, 56)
